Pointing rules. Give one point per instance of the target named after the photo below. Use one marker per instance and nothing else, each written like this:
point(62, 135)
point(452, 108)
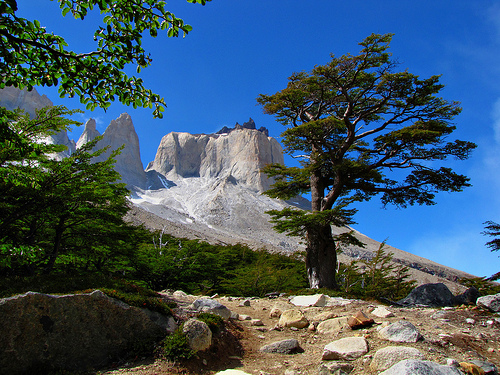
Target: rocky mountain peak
point(250, 124)
point(240, 154)
point(119, 132)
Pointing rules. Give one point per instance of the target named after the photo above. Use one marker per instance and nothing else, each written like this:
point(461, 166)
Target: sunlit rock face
point(237, 156)
point(12, 98)
point(120, 132)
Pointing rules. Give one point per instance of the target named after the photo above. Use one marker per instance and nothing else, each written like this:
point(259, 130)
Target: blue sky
point(239, 49)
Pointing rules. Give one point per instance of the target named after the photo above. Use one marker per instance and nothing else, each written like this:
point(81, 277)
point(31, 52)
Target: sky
point(239, 49)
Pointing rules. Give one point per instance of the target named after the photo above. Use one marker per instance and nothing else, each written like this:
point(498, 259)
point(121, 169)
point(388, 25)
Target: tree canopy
point(31, 56)
point(361, 129)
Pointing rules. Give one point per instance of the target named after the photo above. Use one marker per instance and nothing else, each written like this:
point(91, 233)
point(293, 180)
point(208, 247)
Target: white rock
point(348, 348)
point(198, 334)
point(318, 300)
point(382, 312)
point(491, 302)
point(232, 372)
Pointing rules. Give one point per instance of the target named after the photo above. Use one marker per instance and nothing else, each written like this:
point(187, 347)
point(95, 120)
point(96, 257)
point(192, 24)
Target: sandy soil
point(446, 335)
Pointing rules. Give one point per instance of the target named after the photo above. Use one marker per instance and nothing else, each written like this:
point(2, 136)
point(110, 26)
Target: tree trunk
point(321, 258)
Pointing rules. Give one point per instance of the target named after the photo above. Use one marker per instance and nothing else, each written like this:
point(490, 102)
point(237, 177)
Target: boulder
point(332, 326)
point(435, 295)
point(491, 302)
point(348, 349)
point(211, 306)
point(387, 357)
point(418, 367)
point(72, 332)
point(293, 318)
point(289, 346)
point(318, 300)
point(469, 297)
point(198, 334)
point(401, 331)
point(360, 320)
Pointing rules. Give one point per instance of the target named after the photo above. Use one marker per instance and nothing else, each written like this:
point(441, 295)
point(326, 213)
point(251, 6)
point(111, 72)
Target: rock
point(211, 306)
point(180, 295)
point(289, 346)
point(232, 372)
point(293, 318)
point(336, 368)
point(275, 313)
point(128, 163)
point(318, 300)
point(418, 367)
point(382, 312)
point(491, 302)
point(198, 334)
point(41, 332)
point(390, 355)
point(435, 295)
point(245, 302)
point(471, 368)
point(488, 367)
point(244, 317)
point(360, 320)
point(401, 331)
point(323, 316)
point(348, 348)
point(469, 297)
point(337, 301)
point(256, 322)
point(332, 326)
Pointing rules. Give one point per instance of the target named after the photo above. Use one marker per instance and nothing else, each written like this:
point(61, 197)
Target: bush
point(176, 347)
point(213, 321)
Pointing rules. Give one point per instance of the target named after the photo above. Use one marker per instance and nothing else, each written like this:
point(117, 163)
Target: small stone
point(244, 317)
point(289, 346)
point(452, 362)
point(470, 321)
point(401, 331)
point(293, 318)
point(275, 313)
point(244, 303)
point(256, 322)
point(332, 326)
point(382, 312)
point(314, 300)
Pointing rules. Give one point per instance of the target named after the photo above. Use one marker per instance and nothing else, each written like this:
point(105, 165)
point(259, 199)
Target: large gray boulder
point(211, 306)
point(42, 332)
point(418, 367)
point(436, 295)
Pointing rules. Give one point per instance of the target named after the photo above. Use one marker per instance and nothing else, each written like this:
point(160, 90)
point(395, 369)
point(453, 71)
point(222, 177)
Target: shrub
point(176, 347)
point(213, 321)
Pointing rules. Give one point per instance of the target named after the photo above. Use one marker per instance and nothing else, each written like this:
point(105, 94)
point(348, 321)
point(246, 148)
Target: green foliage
point(71, 207)
point(30, 55)
point(482, 284)
point(142, 300)
point(377, 278)
point(493, 230)
point(175, 346)
point(213, 321)
point(352, 122)
point(198, 267)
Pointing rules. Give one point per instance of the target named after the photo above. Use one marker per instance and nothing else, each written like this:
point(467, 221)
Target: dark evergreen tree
point(354, 122)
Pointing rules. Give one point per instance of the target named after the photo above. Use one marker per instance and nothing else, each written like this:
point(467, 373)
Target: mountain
point(209, 187)
point(120, 132)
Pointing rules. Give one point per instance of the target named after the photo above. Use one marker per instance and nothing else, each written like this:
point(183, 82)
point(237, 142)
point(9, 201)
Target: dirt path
point(447, 334)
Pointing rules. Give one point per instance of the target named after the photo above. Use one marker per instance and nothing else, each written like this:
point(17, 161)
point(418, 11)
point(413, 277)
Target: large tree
point(31, 56)
point(353, 122)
